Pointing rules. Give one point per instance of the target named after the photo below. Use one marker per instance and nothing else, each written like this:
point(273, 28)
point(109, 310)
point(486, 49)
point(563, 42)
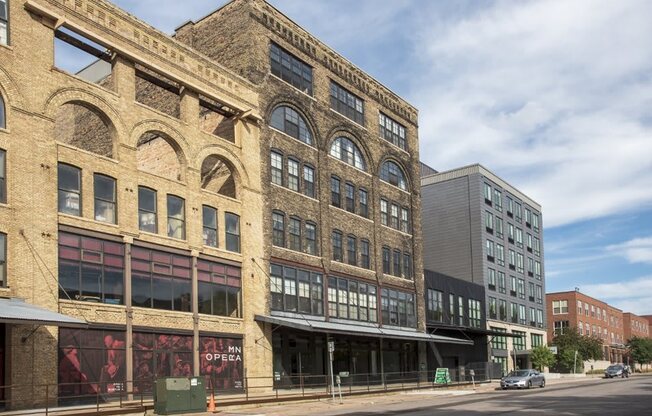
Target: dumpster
point(179, 395)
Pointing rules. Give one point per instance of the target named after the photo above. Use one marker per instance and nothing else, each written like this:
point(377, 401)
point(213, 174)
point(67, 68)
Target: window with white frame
point(559, 307)
point(345, 150)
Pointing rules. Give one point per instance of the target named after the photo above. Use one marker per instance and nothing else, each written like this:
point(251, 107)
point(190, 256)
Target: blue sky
point(553, 96)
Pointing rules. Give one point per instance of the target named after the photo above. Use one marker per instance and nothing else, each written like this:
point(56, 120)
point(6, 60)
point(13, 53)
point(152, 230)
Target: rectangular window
point(530, 291)
point(528, 217)
point(387, 260)
point(3, 260)
point(347, 104)
point(489, 222)
point(364, 254)
point(528, 242)
point(536, 340)
point(490, 250)
point(519, 340)
point(498, 200)
point(351, 250)
point(500, 254)
point(3, 175)
point(336, 199)
point(384, 215)
point(69, 179)
point(311, 239)
point(537, 246)
point(514, 313)
point(502, 310)
point(579, 306)
point(512, 259)
point(493, 308)
point(161, 280)
point(209, 225)
point(487, 193)
point(510, 206)
point(537, 269)
point(394, 216)
point(336, 241)
point(147, 218)
point(512, 287)
point(232, 230)
point(522, 319)
point(294, 232)
point(562, 326)
point(460, 311)
point(451, 309)
point(519, 237)
point(521, 288)
point(498, 342)
point(105, 198)
point(363, 209)
point(349, 197)
point(435, 305)
point(349, 299)
point(535, 221)
point(290, 69)
point(407, 266)
point(309, 297)
point(405, 220)
point(278, 229)
point(4, 22)
point(276, 163)
point(517, 211)
point(392, 131)
point(491, 279)
point(293, 175)
point(219, 289)
point(475, 314)
point(398, 308)
point(530, 267)
point(308, 181)
point(502, 288)
point(559, 307)
point(396, 263)
point(510, 232)
point(519, 262)
point(499, 227)
point(176, 217)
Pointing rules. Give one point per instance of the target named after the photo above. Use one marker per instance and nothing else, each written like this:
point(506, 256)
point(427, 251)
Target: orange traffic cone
point(211, 403)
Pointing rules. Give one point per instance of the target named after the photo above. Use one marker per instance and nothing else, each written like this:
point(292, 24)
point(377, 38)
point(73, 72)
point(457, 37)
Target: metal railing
point(105, 398)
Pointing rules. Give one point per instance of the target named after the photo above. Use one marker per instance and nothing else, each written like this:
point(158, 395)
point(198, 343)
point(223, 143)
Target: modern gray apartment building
point(479, 228)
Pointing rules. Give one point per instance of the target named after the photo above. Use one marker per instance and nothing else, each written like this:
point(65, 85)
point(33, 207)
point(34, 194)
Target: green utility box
point(179, 395)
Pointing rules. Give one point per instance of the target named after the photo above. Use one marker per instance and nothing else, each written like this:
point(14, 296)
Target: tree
point(587, 347)
point(640, 349)
point(541, 357)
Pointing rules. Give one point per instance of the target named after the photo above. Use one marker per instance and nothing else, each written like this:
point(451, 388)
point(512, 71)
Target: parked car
point(523, 379)
point(616, 370)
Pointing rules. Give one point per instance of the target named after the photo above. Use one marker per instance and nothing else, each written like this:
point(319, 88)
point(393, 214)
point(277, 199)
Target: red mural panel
point(221, 362)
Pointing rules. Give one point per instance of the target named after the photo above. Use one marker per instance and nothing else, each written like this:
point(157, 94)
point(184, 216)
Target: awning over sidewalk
point(359, 330)
point(17, 311)
point(471, 330)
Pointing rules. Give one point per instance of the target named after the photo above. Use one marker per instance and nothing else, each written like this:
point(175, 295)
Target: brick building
point(172, 216)
point(340, 186)
point(591, 317)
point(635, 326)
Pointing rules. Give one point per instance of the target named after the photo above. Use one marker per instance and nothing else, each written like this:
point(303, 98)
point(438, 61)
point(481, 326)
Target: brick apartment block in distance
point(591, 317)
point(635, 326)
point(164, 215)
point(479, 228)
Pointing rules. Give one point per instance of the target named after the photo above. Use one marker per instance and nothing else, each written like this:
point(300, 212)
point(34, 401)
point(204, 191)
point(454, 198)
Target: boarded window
point(84, 127)
point(156, 155)
point(216, 176)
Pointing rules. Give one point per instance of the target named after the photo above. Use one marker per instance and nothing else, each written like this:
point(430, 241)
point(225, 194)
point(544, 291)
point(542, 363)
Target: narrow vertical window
point(311, 238)
point(176, 217)
point(293, 175)
point(350, 197)
point(407, 266)
point(294, 232)
point(364, 254)
point(386, 260)
point(336, 242)
point(487, 193)
point(3, 176)
point(3, 116)
point(405, 220)
point(336, 199)
point(351, 250)
point(232, 225)
point(147, 210)
point(363, 209)
point(3, 260)
point(394, 216)
point(308, 181)
point(277, 168)
point(209, 218)
point(397, 263)
point(278, 229)
point(105, 198)
point(4, 25)
point(383, 212)
point(69, 189)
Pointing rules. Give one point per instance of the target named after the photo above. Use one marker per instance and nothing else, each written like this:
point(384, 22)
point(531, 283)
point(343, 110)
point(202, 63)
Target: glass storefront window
point(296, 290)
point(160, 355)
point(218, 289)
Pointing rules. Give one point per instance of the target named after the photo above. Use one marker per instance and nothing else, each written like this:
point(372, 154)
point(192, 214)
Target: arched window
point(85, 127)
point(393, 174)
point(217, 176)
point(156, 154)
point(290, 122)
point(346, 151)
point(3, 123)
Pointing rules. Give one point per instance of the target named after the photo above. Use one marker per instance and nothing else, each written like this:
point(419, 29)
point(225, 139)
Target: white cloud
point(637, 250)
point(631, 296)
point(553, 95)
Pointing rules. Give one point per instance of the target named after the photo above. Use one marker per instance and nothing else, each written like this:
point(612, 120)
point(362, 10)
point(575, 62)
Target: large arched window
point(217, 176)
point(346, 151)
point(393, 174)
point(290, 122)
point(3, 122)
point(159, 154)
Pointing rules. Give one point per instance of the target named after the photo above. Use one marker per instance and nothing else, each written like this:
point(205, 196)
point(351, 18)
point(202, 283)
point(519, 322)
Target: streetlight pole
point(575, 362)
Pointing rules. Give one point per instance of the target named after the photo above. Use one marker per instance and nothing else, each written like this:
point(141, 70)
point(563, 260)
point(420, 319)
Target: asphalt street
point(631, 396)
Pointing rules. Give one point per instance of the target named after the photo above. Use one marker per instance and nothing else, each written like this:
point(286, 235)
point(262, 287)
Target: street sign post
point(331, 349)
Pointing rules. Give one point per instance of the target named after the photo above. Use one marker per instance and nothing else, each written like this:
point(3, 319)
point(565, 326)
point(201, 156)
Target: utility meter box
point(179, 395)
